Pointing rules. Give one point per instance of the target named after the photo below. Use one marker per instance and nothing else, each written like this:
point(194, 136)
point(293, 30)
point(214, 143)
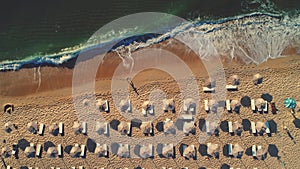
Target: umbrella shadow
point(202, 125)
point(273, 126)
point(136, 123)
point(245, 101)
point(47, 145)
point(246, 124)
point(137, 150)
point(91, 145)
point(67, 149)
point(160, 126)
point(248, 151)
point(203, 149)
point(224, 126)
point(114, 124)
point(114, 148)
point(23, 143)
point(273, 150)
point(267, 97)
point(296, 122)
point(225, 150)
point(225, 166)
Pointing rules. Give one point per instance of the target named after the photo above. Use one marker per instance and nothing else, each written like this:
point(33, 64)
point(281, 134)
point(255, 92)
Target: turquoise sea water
point(39, 32)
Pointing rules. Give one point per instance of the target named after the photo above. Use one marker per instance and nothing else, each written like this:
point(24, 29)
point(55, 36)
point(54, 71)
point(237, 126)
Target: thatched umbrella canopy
point(52, 152)
point(237, 150)
point(234, 104)
point(188, 102)
point(100, 104)
point(213, 149)
point(123, 128)
point(234, 80)
point(123, 151)
point(189, 152)
point(8, 108)
point(100, 127)
point(32, 127)
point(9, 126)
point(189, 126)
point(100, 150)
point(257, 79)
point(168, 151)
point(168, 124)
point(260, 153)
point(5, 152)
point(146, 151)
point(146, 105)
point(210, 83)
point(30, 151)
point(169, 104)
point(53, 128)
point(77, 127)
point(259, 103)
point(260, 126)
point(146, 127)
point(75, 151)
point(237, 127)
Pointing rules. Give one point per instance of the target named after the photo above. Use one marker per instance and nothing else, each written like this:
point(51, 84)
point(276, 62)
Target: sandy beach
point(45, 95)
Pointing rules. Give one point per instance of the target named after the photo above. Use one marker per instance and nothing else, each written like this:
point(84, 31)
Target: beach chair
point(59, 150)
point(253, 107)
point(61, 128)
point(41, 129)
point(207, 126)
point(57, 167)
point(14, 148)
point(230, 149)
point(228, 105)
point(38, 150)
point(230, 127)
point(186, 117)
point(106, 109)
point(8, 167)
point(254, 150)
point(73, 167)
point(83, 147)
point(188, 105)
point(266, 107)
point(231, 87)
point(52, 167)
point(128, 132)
point(206, 105)
point(81, 167)
point(84, 127)
point(207, 89)
point(253, 127)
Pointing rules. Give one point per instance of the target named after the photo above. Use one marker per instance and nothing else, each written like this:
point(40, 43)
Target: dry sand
point(50, 101)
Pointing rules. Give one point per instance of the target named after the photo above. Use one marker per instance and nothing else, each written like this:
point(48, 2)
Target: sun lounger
point(52, 167)
point(61, 128)
point(231, 87)
point(14, 148)
point(228, 105)
point(253, 127)
point(186, 117)
point(38, 150)
point(268, 128)
point(8, 167)
point(129, 106)
point(84, 127)
point(230, 127)
point(57, 168)
point(106, 106)
point(82, 154)
point(73, 167)
point(206, 89)
point(229, 149)
point(266, 107)
point(253, 107)
point(59, 150)
point(128, 132)
point(206, 105)
point(254, 151)
point(41, 129)
point(81, 167)
point(207, 126)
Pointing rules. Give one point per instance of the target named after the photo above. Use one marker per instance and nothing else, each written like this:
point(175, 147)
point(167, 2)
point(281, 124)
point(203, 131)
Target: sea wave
point(252, 37)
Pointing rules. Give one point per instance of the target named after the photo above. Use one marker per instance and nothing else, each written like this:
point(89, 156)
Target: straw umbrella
point(234, 80)
point(213, 149)
point(168, 151)
point(169, 104)
point(75, 151)
point(52, 152)
point(234, 104)
point(100, 150)
point(146, 151)
point(168, 125)
point(32, 127)
point(146, 105)
point(259, 103)
point(260, 153)
point(146, 127)
point(189, 152)
point(213, 105)
point(189, 127)
point(257, 79)
point(237, 127)
point(8, 108)
point(123, 128)
point(77, 127)
point(30, 151)
point(53, 128)
point(123, 151)
point(9, 126)
point(210, 83)
point(5, 152)
point(237, 150)
point(260, 127)
point(100, 104)
point(100, 127)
